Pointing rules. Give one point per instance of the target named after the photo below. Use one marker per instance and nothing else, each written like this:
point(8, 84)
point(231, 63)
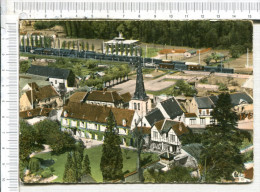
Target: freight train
point(147, 62)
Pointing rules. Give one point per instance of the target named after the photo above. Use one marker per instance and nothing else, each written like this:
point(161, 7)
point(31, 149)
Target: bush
point(34, 165)
point(24, 66)
point(46, 173)
point(222, 87)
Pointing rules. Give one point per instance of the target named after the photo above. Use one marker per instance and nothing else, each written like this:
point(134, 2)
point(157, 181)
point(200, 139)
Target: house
point(86, 120)
point(203, 106)
point(190, 53)
point(152, 117)
point(40, 97)
point(171, 109)
point(33, 116)
point(165, 135)
point(56, 76)
point(108, 98)
point(78, 97)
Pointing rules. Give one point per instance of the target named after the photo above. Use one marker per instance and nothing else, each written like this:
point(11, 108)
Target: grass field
point(95, 153)
point(167, 91)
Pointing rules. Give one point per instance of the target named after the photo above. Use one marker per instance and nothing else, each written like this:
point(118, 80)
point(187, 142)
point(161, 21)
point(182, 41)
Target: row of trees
point(77, 165)
point(36, 41)
point(124, 49)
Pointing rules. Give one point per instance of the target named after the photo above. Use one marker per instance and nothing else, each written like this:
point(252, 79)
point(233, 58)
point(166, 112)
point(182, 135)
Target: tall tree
point(220, 154)
point(112, 160)
point(70, 173)
point(92, 47)
point(87, 46)
point(86, 169)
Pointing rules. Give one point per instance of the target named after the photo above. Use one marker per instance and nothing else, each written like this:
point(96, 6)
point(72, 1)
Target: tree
point(86, 169)
point(122, 48)
point(139, 141)
point(93, 47)
point(64, 45)
point(83, 46)
point(34, 165)
point(220, 155)
point(117, 48)
point(207, 59)
point(70, 173)
point(131, 50)
point(87, 46)
point(235, 51)
point(112, 160)
point(183, 88)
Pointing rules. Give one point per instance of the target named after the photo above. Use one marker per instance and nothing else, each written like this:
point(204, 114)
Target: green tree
point(36, 41)
point(92, 47)
point(70, 172)
point(87, 46)
point(131, 50)
point(220, 155)
point(112, 160)
point(207, 59)
point(64, 44)
point(122, 48)
point(34, 165)
point(83, 45)
point(86, 169)
point(24, 66)
point(183, 88)
point(117, 48)
point(235, 51)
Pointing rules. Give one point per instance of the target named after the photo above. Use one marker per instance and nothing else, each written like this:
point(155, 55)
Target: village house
point(33, 116)
point(90, 121)
point(40, 97)
point(104, 98)
point(203, 106)
point(59, 78)
point(165, 135)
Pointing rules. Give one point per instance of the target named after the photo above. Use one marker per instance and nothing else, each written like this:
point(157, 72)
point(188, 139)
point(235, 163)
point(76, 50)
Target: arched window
point(124, 122)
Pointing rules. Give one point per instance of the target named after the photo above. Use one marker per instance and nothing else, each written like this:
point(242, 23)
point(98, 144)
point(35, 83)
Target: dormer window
point(124, 122)
point(65, 114)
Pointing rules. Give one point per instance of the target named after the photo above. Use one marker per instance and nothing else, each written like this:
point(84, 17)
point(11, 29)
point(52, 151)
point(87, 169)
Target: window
point(55, 81)
point(124, 122)
point(135, 106)
point(192, 121)
point(95, 126)
point(172, 138)
point(155, 135)
point(138, 106)
point(203, 112)
point(212, 121)
point(202, 121)
point(82, 124)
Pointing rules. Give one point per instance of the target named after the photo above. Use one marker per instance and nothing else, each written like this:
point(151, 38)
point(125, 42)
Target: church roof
point(140, 93)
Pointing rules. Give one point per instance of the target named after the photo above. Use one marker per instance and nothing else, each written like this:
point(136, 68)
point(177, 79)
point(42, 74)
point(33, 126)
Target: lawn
point(151, 52)
point(166, 91)
point(95, 153)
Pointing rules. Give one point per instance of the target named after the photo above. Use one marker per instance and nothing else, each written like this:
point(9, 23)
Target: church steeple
point(140, 93)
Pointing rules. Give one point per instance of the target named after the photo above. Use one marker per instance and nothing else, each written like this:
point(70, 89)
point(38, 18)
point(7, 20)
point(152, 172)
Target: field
point(95, 153)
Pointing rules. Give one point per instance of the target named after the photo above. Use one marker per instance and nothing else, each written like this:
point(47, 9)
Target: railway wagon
point(195, 67)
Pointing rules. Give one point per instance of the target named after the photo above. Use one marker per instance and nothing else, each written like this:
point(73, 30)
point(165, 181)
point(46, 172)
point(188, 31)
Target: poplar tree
point(70, 173)
point(112, 160)
point(86, 169)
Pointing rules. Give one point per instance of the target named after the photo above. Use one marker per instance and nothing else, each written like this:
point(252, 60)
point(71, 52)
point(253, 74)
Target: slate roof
point(97, 113)
point(104, 96)
point(154, 116)
point(35, 112)
point(172, 107)
point(237, 98)
point(42, 93)
point(49, 72)
point(139, 93)
point(77, 97)
point(211, 101)
point(204, 103)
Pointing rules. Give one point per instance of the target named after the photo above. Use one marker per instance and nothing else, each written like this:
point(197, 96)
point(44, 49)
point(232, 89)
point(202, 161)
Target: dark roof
point(140, 93)
point(49, 72)
point(214, 99)
point(104, 96)
point(172, 107)
point(97, 113)
point(34, 113)
point(154, 116)
point(126, 97)
point(238, 98)
point(204, 103)
point(211, 101)
point(42, 93)
point(77, 97)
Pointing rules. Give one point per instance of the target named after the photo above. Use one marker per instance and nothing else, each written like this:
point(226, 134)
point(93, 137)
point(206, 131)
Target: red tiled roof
point(190, 115)
point(77, 97)
point(42, 93)
point(126, 97)
point(34, 113)
point(105, 96)
point(96, 113)
point(249, 173)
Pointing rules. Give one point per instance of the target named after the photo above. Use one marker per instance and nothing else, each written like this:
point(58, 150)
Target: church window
point(138, 106)
point(135, 106)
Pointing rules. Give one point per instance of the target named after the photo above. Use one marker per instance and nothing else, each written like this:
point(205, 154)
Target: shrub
point(46, 173)
point(34, 165)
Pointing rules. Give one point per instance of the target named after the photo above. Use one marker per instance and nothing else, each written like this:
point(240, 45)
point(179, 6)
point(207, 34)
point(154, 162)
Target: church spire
point(140, 93)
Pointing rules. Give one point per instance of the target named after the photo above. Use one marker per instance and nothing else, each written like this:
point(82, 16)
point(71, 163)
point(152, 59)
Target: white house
point(165, 135)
